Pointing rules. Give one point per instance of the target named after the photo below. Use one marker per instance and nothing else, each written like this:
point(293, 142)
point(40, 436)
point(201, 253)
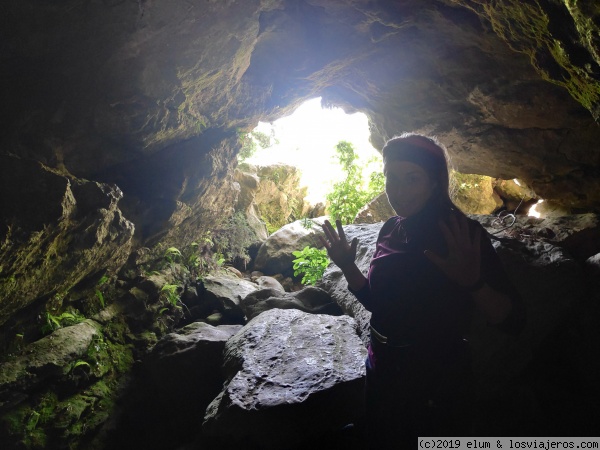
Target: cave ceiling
point(154, 92)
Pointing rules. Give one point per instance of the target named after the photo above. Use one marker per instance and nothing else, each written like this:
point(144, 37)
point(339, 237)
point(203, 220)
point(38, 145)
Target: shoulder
point(391, 224)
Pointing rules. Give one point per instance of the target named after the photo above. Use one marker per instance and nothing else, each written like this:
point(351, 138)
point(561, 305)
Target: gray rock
point(266, 282)
point(176, 382)
point(290, 375)
point(184, 366)
point(310, 300)
point(377, 210)
point(275, 254)
point(47, 358)
point(226, 291)
point(62, 230)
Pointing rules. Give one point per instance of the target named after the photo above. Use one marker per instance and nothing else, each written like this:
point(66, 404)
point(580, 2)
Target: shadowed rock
point(226, 292)
point(290, 376)
point(47, 358)
point(57, 231)
point(275, 254)
point(310, 300)
point(176, 382)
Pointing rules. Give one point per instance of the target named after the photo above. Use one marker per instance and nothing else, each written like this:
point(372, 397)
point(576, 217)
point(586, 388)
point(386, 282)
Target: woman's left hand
point(463, 263)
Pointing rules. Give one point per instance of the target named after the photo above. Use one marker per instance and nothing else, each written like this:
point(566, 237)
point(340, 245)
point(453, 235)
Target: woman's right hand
point(338, 249)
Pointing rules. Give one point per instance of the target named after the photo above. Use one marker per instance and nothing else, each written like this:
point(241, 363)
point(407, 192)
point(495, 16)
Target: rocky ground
point(242, 360)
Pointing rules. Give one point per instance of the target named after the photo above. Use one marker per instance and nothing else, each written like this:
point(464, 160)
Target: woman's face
point(408, 187)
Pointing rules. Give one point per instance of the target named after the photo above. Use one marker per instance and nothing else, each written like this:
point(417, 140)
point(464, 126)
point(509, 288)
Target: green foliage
point(173, 255)
point(63, 320)
point(81, 364)
point(311, 263)
point(376, 184)
point(348, 196)
point(252, 141)
point(197, 258)
point(103, 280)
point(104, 356)
point(306, 223)
point(193, 258)
point(100, 297)
point(170, 292)
point(32, 421)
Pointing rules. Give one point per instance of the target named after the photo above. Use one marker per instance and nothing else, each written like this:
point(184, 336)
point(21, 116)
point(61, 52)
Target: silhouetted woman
point(430, 266)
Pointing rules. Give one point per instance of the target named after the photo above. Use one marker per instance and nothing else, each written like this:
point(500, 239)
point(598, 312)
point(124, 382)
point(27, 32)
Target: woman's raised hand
point(463, 263)
point(338, 249)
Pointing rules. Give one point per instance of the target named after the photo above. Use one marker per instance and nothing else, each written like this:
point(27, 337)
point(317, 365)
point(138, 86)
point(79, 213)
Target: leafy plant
point(32, 421)
point(311, 263)
point(65, 319)
point(171, 294)
point(348, 196)
point(254, 140)
point(172, 255)
point(80, 363)
point(306, 223)
point(100, 297)
point(193, 258)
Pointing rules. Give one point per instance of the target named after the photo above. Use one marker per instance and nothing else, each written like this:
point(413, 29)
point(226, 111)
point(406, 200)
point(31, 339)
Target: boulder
point(265, 282)
point(225, 292)
point(517, 196)
point(249, 184)
point(377, 210)
point(279, 197)
point(47, 358)
point(310, 300)
point(474, 194)
point(290, 376)
point(275, 254)
point(183, 374)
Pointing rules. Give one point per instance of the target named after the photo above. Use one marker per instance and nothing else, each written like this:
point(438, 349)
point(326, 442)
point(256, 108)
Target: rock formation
point(290, 376)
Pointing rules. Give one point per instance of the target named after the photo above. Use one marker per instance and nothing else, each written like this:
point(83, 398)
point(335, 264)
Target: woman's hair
point(428, 153)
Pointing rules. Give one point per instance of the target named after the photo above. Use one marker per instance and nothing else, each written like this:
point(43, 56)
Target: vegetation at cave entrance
point(254, 140)
point(349, 196)
point(311, 263)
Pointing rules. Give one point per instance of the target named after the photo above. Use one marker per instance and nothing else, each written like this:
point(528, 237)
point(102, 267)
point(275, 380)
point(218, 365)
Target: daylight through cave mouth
point(306, 139)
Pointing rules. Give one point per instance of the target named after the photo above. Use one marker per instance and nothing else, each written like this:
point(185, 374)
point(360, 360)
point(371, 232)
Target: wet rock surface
point(290, 376)
point(310, 300)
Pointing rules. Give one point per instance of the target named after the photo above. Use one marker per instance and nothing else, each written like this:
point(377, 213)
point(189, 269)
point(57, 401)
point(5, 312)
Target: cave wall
point(512, 89)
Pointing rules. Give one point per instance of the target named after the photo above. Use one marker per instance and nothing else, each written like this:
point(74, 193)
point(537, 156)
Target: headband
point(415, 149)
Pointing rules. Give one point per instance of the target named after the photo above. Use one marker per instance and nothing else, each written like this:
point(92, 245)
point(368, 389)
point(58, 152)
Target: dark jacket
point(410, 298)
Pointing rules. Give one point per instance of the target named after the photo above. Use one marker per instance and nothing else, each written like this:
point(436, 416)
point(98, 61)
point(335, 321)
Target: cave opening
point(306, 139)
